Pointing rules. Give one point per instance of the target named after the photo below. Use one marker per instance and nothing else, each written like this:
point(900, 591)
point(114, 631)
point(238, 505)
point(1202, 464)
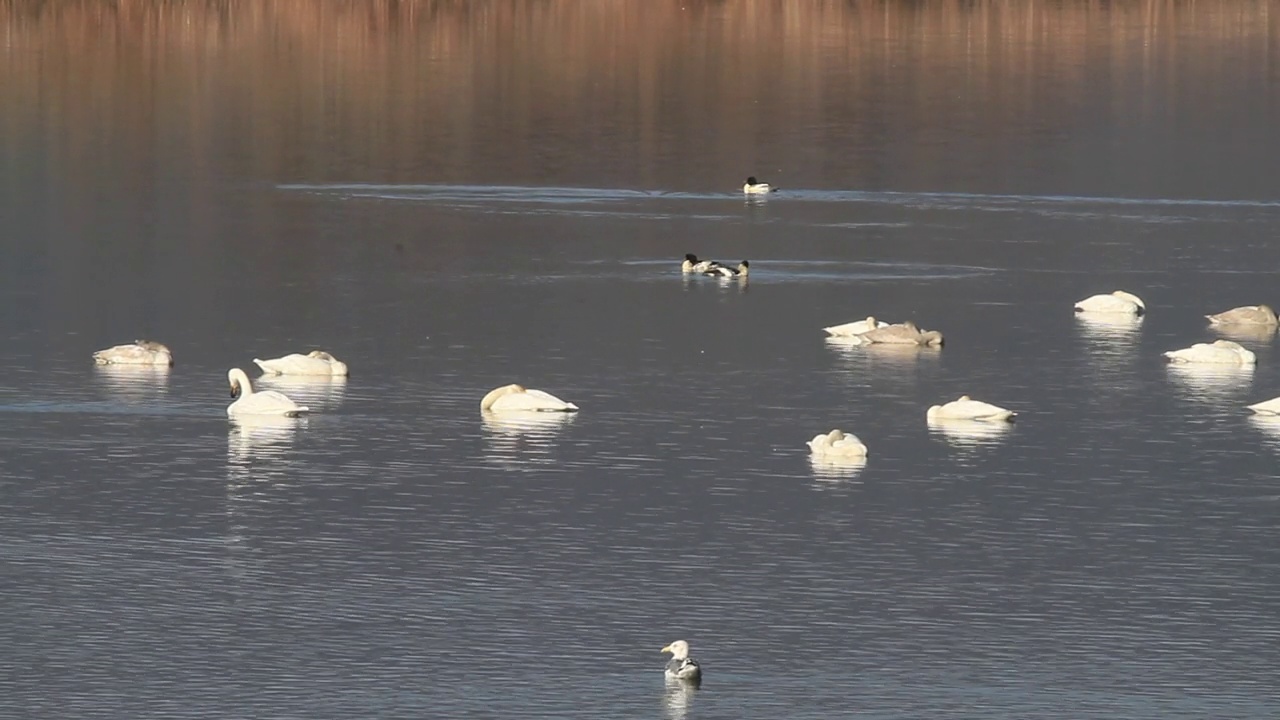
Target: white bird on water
point(681, 666)
point(515, 397)
point(837, 444)
point(316, 362)
point(1220, 352)
point(1118, 301)
point(966, 408)
point(266, 402)
point(857, 327)
point(138, 352)
point(1245, 315)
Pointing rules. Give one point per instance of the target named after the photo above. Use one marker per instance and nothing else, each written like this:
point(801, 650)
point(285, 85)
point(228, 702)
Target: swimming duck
point(316, 362)
point(1115, 302)
point(753, 187)
point(905, 333)
point(966, 408)
point(856, 327)
point(266, 402)
point(1219, 351)
point(837, 444)
point(1246, 315)
point(138, 352)
point(718, 270)
point(516, 397)
point(692, 264)
point(681, 666)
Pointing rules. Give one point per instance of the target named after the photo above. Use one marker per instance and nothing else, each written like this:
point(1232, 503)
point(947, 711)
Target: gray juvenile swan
point(901, 334)
point(1246, 315)
point(138, 352)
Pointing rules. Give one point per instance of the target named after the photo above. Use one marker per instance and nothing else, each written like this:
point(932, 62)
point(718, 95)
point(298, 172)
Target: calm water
point(453, 197)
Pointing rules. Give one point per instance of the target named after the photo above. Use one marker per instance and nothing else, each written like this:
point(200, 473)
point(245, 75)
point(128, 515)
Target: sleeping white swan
point(316, 362)
point(967, 408)
point(837, 444)
point(267, 402)
point(1223, 352)
point(1115, 302)
point(1246, 315)
point(515, 397)
point(856, 327)
point(138, 352)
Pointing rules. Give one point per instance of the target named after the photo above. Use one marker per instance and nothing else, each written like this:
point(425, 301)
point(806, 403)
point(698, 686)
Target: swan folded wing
point(1246, 315)
point(1267, 407)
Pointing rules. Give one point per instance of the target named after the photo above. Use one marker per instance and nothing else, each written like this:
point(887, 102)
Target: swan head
point(238, 381)
point(496, 393)
point(935, 410)
point(321, 355)
point(908, 324)
point(933, 337)
point(679, 649)
point(963, 398)
point(1131, 298)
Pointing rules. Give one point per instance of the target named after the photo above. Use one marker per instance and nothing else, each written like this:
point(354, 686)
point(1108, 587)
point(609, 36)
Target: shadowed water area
point(453, 196)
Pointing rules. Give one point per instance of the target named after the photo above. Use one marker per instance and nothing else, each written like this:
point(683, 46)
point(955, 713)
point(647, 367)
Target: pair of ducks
point(712, 268)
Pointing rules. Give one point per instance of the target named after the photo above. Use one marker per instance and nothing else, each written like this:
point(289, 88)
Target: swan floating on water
point(266, 402)
point(755, 187)
point(905, 333)
point(1118, 301)
point(838, 444)
point(856, 327)
point(966, 408)
point(1246, 315)
point(138, 352)
point(681, 666)
point(516, 397)
point(1224, 352)
point(1267, 407)
point(316, 362)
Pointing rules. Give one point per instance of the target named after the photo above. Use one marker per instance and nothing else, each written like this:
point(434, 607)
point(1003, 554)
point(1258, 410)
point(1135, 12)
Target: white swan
point(138, 352)
point(515, 397)
point(966, 408)
point(1267, 407)
point(1224, 352)
point(1246, 315)
point(837, 444)
point(905, 333)
point(681, 666)
point(316, 362)
point(755, 187)
point(267, 402)
point(1115, 302)
point(857, 327)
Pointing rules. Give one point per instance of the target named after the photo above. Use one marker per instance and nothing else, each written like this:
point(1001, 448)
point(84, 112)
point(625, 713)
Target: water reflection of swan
point(835, 467)
point(133, 383)
point(523, 437)
point(1211, 382)
point(677, 697)
point(1109, 327)
point(854, 346)
point(261, 436)
point(1246, 333)
point(324, 391)
point(1268, 425)
point(970, 433)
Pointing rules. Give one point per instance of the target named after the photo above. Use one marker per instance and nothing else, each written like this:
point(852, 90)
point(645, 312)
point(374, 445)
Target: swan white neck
point(236, 376)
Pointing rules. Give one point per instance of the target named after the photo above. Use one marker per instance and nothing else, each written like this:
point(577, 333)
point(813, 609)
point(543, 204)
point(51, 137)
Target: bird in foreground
point(837, 444)
point(1114, 302)
point(1220, 352)
point(515, 397)
point(692, 264)
point(1246, 315)
point(1267, 407)
point(251, 402)
point(905, 333)
point(718, 270)
point(138, 352)
point(966, 408)
point(681, 666)
point(316, 362)
point(856, 327)
point(755, 187)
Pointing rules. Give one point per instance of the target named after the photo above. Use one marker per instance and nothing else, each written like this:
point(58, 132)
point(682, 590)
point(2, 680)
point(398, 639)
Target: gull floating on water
point(966, 408)
point(138, 352)
point(1224, 352)
point(1118, 301)
point(518, 398)
point(856, 327)
point(681, 666)
point(316, 362)
point(1246, 315)
point(267, 402)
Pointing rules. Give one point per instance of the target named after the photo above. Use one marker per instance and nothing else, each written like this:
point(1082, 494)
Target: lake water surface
point(452, 197)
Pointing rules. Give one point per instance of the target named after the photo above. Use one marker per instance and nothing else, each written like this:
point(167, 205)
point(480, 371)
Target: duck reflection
point(133, 383)
point(1211, 382)
point(522, 437)
point(315, 391)
point(677, 698)
point(834, 468)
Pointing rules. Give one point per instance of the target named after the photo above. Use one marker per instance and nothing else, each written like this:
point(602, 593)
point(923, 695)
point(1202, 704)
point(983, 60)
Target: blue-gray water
point(1112, 554)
